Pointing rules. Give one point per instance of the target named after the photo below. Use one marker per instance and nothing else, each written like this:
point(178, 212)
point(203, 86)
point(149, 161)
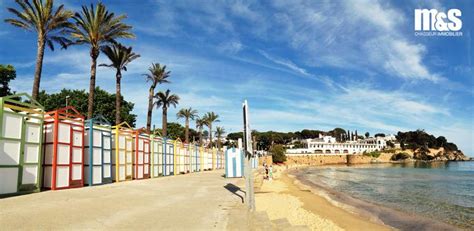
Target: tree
point(105, 102)
point(219, 132)
point(235, 136)
point(209, 119)
point(200, 123)
point(97, 27)
point(119, 56)
point(7, 74)
point(188, 114)
point(165, 100)
point(367, 135)
point(379, 135)
point(49, 23)
point(157, 75)
point(278, 153)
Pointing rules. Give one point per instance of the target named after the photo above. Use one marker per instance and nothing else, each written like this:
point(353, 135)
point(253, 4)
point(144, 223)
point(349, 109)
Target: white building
point(329, 145)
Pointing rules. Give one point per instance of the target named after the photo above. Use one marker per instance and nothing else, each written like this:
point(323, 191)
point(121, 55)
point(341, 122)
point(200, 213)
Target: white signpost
point(249, 195)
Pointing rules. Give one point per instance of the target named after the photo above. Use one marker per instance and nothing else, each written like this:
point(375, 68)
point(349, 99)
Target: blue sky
point(301, 64)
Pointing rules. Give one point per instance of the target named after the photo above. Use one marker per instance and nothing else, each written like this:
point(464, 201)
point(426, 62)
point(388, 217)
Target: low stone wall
point(315, 159)
point(321, 159)
point(361, 159)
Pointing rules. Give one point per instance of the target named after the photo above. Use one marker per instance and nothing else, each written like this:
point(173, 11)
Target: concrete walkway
point(197, 201)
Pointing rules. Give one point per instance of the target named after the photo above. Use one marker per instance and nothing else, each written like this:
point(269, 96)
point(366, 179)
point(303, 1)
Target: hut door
point(146, 159)
point(18, 157)
point(128, 157)
point(77, 152)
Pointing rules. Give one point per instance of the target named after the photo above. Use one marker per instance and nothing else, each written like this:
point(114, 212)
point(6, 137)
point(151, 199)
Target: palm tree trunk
point(186, 131)
point(90, 108)
point(200, 136)
point(210, 135)
point(164, 122)
point(118, 97)
point(219, 143)
point(39, 67)
point(150, 108)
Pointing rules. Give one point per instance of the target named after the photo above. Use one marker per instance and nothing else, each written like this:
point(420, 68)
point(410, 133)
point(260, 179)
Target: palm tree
point(210, 118)
point(157, 75)
point(119, 56)
point(200, 122)
point(50, 25)
point(165, 100)
point(219, 132)
point(97, 27)
point(187, 113)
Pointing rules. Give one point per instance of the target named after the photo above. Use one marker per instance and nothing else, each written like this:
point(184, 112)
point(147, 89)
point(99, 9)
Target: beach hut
point(220, 160)
point(123, 137)
point(234, 162)
point(156, 154)
point(97, 151)
point(179, 157)
point(21, 137)
point(194, 156)
point(168, 157)
point(187, 158)
point(63, 162)
point(141, 160)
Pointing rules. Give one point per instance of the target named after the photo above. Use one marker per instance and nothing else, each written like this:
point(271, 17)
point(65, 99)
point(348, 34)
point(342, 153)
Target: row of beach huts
point(60, 149)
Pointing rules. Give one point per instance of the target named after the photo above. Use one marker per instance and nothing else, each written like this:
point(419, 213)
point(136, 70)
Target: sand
point(198, 201)
point(282, 198)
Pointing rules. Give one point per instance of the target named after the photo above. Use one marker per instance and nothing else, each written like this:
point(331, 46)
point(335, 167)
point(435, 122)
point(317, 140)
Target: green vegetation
point(419, 138)
point(176, 130)
point(278, 153)
point(158, 75)
point(49, 22)
point(119, 56)
point(97, 27)
point(165, 100)
point(200, 123)
point(400, 156)
point(78, 98)
point(219, 132)
point(187, 114)
point(374, 154)
point(7, 74)
point(210, 118)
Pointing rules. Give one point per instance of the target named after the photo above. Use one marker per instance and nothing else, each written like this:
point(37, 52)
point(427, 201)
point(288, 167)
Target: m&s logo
point(435, 23)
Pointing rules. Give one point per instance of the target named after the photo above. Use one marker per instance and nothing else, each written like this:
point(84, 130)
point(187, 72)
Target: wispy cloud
point(284, 62)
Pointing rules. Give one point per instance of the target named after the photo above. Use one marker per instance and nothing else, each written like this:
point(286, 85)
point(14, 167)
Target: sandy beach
point(285, 198)
point(200, 201)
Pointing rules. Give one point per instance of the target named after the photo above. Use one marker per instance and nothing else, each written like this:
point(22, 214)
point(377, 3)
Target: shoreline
point(283, 198)
point(376, 213)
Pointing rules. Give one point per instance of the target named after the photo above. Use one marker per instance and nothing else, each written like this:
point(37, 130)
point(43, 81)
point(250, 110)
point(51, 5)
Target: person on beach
point(270, 173)
point(265, 177)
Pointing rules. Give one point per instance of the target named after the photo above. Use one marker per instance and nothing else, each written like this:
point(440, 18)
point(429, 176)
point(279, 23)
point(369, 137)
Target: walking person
point(270, 173)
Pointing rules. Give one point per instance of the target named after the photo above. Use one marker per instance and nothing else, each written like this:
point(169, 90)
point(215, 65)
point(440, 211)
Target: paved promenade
point(197, 201)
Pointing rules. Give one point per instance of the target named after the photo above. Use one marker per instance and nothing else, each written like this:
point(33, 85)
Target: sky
point(354, 64)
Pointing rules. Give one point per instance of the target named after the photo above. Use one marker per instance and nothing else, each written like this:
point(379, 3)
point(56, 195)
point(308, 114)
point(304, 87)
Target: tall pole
point(249, 190)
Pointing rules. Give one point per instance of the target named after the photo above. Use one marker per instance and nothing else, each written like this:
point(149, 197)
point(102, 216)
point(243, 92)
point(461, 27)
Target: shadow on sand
point(234, 189)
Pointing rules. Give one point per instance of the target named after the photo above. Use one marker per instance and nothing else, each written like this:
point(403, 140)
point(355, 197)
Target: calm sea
point(438, 191)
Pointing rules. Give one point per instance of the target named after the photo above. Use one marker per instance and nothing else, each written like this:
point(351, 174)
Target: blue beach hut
point(97, 151)
point(234, 162)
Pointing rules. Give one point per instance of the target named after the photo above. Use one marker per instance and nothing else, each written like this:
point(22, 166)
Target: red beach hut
point(63, 161)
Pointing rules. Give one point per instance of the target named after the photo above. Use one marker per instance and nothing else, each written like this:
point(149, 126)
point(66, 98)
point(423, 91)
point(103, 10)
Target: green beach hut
point(21, 135)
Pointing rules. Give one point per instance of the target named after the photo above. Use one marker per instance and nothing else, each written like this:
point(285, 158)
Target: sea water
point(441, 191)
